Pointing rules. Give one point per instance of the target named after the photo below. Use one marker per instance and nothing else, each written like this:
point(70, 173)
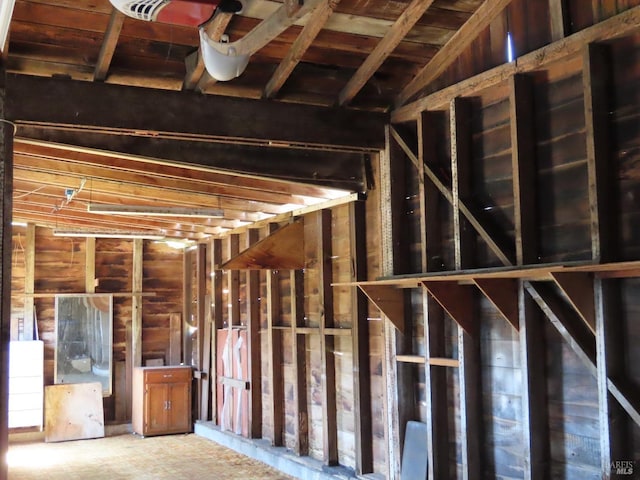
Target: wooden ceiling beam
point(130, 177)
point(284, 169)
point(136, 191)
point(58, 101)
point(389, 42)
point(108, 45)
point(453, 48)
point(314, 24)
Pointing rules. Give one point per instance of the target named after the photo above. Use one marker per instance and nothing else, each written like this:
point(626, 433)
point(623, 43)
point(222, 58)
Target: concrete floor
point(170, 457)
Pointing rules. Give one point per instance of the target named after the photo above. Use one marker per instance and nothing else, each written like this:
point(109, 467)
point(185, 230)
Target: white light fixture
point(6, 11)
point(107, 234)
point(222, 64)
point(154, 211)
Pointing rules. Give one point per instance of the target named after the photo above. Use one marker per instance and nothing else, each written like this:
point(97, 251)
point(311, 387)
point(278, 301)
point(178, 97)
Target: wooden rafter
point(194, 63)
point(453, 48)
point(108, 45)
point(310, 31)
point(394, 36)
point(484, 233)
point(622, 24)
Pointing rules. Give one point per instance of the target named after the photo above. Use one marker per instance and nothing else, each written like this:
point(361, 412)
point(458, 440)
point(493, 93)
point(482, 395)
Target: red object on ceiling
point(190, 13)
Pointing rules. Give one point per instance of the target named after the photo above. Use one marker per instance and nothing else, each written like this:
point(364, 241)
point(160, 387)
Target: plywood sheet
point(73, 412)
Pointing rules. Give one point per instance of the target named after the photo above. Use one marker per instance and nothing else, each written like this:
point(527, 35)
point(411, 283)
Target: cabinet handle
point(168, 375)
point(169, 403)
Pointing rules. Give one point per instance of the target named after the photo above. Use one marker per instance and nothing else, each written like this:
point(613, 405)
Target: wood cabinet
point(161, 400)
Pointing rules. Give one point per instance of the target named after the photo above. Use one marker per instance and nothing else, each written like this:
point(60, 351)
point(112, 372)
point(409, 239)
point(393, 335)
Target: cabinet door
point(179, 413)
point(156, 408)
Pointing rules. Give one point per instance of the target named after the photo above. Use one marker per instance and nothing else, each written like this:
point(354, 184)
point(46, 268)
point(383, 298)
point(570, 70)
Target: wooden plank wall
point(489, 49)
point(563, 233)
point(60, 268)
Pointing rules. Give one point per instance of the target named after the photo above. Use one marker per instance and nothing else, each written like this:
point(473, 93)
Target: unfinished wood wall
point(515, 177)
point(60, 267)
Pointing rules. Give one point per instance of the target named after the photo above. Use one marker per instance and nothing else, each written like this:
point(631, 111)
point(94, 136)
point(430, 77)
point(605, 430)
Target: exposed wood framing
point(328, 374)
point(205, 399)
point(523, 161)
point(617, 26)
point(281, 250)
point(604, 302)
point(29, 284)
point(360, 339)
point(108, 106)
point(453, 48)
point(559, 19)
point(468, 335)
point(233, 286)
point(6, 205)
point(274, 346)
point(601, 195)
point(194, 62)
point(252, 289)
point(109, 44)
point(435, 378)
point(314, 24)
point(582, 342)
point(216, 297)
point(187, 297)
point(300, 365)
point(136, 311)
point(500, 251)
point(535, 420)
point(384, 48)
point(201, 305)
point(89, 264)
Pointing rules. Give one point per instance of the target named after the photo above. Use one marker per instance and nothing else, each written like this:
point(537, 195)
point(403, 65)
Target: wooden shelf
point(542, 272)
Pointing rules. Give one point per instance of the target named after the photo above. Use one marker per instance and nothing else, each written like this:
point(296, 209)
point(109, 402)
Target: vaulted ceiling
point(350, 55)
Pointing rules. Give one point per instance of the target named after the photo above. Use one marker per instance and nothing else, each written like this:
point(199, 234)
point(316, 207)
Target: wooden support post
point(187, 307)
point(274, 346)
point(29, 282)
point(300, 365)
point(610, 357)
point(435, 378)
point(559, 19)
point(206, 362)
point(530, 327)
point(201, 293)
point(252, 290)
point(464, 246)
point(6, 205)
point(535, 420)
point(596, 83)
point(523, 161)
point(234, 283)
point(218, 309)
point(328, 375)
point(89, 265)
point(360, 338)
point(136, 313)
